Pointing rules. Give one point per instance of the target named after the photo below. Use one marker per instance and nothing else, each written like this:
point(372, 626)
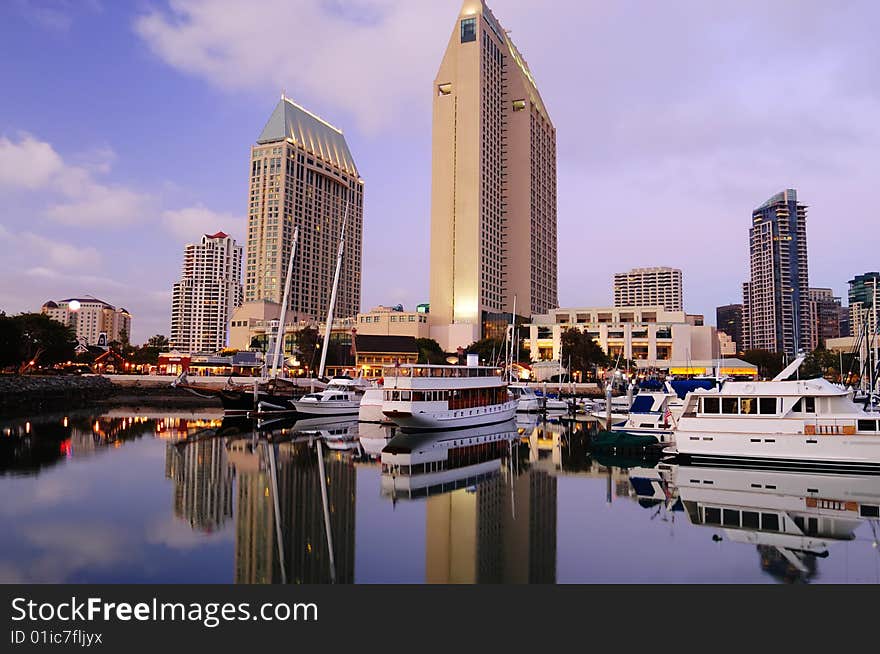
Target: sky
point(125, 130)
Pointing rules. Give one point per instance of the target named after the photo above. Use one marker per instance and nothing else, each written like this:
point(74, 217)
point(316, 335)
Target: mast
point(282, 319)
point(874, 339)
point(329, 326)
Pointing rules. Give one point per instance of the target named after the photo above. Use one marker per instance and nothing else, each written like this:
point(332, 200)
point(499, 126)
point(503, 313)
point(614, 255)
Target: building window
point(468, 30)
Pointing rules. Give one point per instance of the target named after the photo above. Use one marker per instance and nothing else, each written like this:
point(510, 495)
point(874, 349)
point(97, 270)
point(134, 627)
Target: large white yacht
point(342, 397)
point(429, 397)
point(811, 424)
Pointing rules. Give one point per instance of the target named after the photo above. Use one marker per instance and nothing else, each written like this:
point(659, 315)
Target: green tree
point(581, 352)
point(769, 363)
point(821, 363)
point(430, 351)
point(44, 340)
point(307, 344)
point(492, 351)
point(159, 341)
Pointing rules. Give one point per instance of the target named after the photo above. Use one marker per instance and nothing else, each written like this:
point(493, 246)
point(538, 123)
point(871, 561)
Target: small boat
point(342, 397)
point(528, 400)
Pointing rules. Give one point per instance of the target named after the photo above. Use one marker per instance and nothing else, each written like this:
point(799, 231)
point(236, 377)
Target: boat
point(802, 424)
point(424, 397)
point(790, 516)
point(370, 409)
point(420, 465)
point(528, 401)
point(342, 397)
point(244, 399)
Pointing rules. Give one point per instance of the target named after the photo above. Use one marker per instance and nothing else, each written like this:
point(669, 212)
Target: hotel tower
point(302, 174)
point(493, 187)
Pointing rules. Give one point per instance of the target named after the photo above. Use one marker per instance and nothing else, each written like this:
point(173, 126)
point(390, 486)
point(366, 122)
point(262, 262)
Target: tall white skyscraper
point(208, 291)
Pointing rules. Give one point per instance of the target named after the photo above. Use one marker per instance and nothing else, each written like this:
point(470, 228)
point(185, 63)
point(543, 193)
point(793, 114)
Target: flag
point(667, 416)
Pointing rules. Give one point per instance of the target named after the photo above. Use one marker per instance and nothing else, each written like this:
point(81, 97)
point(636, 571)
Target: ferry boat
point(812, 424)
point(342, 397)
point(791, 513)
point(420, 465)
point(433, 397)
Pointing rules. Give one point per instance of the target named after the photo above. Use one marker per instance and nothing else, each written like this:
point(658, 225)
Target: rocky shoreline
point(37, 393)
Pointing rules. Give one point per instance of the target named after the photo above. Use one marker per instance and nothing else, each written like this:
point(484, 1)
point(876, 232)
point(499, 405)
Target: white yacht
point(528, 401)
point(432, 397)
point(653, 414)
point(811, 424)
point(342, 397)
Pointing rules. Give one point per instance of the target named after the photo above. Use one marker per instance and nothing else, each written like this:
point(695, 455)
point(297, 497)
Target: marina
point(193, 496)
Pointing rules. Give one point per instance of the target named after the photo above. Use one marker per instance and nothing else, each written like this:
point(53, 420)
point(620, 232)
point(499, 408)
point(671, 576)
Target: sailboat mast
point(282, 319)
point(329, 326)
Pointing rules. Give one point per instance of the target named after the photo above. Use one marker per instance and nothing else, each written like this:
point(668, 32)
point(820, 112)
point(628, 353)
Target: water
point(186, 497)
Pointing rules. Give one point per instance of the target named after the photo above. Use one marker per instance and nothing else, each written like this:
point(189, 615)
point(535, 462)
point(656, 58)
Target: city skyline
point(101, 194)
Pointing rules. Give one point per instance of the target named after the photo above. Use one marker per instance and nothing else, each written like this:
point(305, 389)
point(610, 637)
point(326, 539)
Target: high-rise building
point(776, 301)
point(863, 289)
point(208, 291)
point(302, 174)
point(825, 315)
point(89, 318)
point(729, 319)
point(644, 287)
point(493, 190)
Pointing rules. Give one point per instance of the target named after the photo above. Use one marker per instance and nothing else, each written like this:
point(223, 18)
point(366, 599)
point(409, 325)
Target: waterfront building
point(729, 320)
point(862, 294)
point(393, 321)
point(652, 335)
point(493, 189)
point(90, 318)
point(825, 316)
point(776, 301)
point(649, 287)
point(209, 290)
point(302, 174)
point(373, 352)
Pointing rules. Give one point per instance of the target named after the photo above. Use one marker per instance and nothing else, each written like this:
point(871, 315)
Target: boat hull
point(439, 420)
point(326, 408)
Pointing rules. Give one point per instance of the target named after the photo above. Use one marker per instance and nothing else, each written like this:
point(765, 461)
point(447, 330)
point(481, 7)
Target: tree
point(44, 340)
point(307, 344)
point(820, 363)
point(430, 351)
point(581, 352)
point(769, 363)
point(11, 352)
point(123, 336)
point(159, 341)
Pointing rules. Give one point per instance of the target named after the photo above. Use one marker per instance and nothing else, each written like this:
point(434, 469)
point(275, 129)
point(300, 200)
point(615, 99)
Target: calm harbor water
point(144, 496)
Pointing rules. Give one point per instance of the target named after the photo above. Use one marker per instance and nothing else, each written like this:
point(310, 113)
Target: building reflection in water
point(295, 548)
point(490, 513)
point(202, 480)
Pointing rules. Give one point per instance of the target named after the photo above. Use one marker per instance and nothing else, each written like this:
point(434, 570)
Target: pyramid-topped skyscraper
point(493, 192)
point(302, 174)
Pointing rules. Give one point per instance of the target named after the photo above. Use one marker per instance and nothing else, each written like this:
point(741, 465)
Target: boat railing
point(441, 371)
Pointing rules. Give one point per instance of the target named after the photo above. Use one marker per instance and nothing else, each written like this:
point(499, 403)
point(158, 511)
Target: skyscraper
point(302, 174)
point(729, 319)
point(776, 300)
point(861, 302)
point(649, 287)
point(208, 291)
point(493, 191)
point(825, 315)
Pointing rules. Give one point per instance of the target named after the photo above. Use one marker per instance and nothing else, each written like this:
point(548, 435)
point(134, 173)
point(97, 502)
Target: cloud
point(373, 59)
point(59, 253)
point(191, 223)
point(28, 164)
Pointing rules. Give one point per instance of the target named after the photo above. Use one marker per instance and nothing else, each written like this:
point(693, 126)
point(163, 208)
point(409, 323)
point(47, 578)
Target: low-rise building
point(650, 334)
point(372, 352)
point(393, 321)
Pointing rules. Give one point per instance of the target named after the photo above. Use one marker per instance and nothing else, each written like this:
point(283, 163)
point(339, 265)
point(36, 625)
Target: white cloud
point(370, 58)
point(190, 223)
point(28, 164)
point(65, 255)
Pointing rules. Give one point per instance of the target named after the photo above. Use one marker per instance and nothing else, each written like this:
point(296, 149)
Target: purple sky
point(125, 128)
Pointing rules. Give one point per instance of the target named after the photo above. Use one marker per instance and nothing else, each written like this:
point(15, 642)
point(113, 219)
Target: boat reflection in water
point(490, 516)
point(792, 518)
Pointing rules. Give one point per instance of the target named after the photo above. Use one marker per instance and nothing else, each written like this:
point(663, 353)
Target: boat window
point(769, 522)
point(767, 406)
point(710, 405)
point(731, 518)
point(418, 396)
point(810, 405)
point(712, 516)
point(748, 406)
point(868, 511)
point(395, 396)
point(729, 405)
point(867, 425)
point(405, 396)
point(750, 519)
point(797, 406)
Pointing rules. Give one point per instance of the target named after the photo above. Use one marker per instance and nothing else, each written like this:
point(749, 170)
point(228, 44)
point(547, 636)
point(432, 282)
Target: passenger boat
point(791, 513)
point(813, 425)
point(420, 465)
point(423, 397)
